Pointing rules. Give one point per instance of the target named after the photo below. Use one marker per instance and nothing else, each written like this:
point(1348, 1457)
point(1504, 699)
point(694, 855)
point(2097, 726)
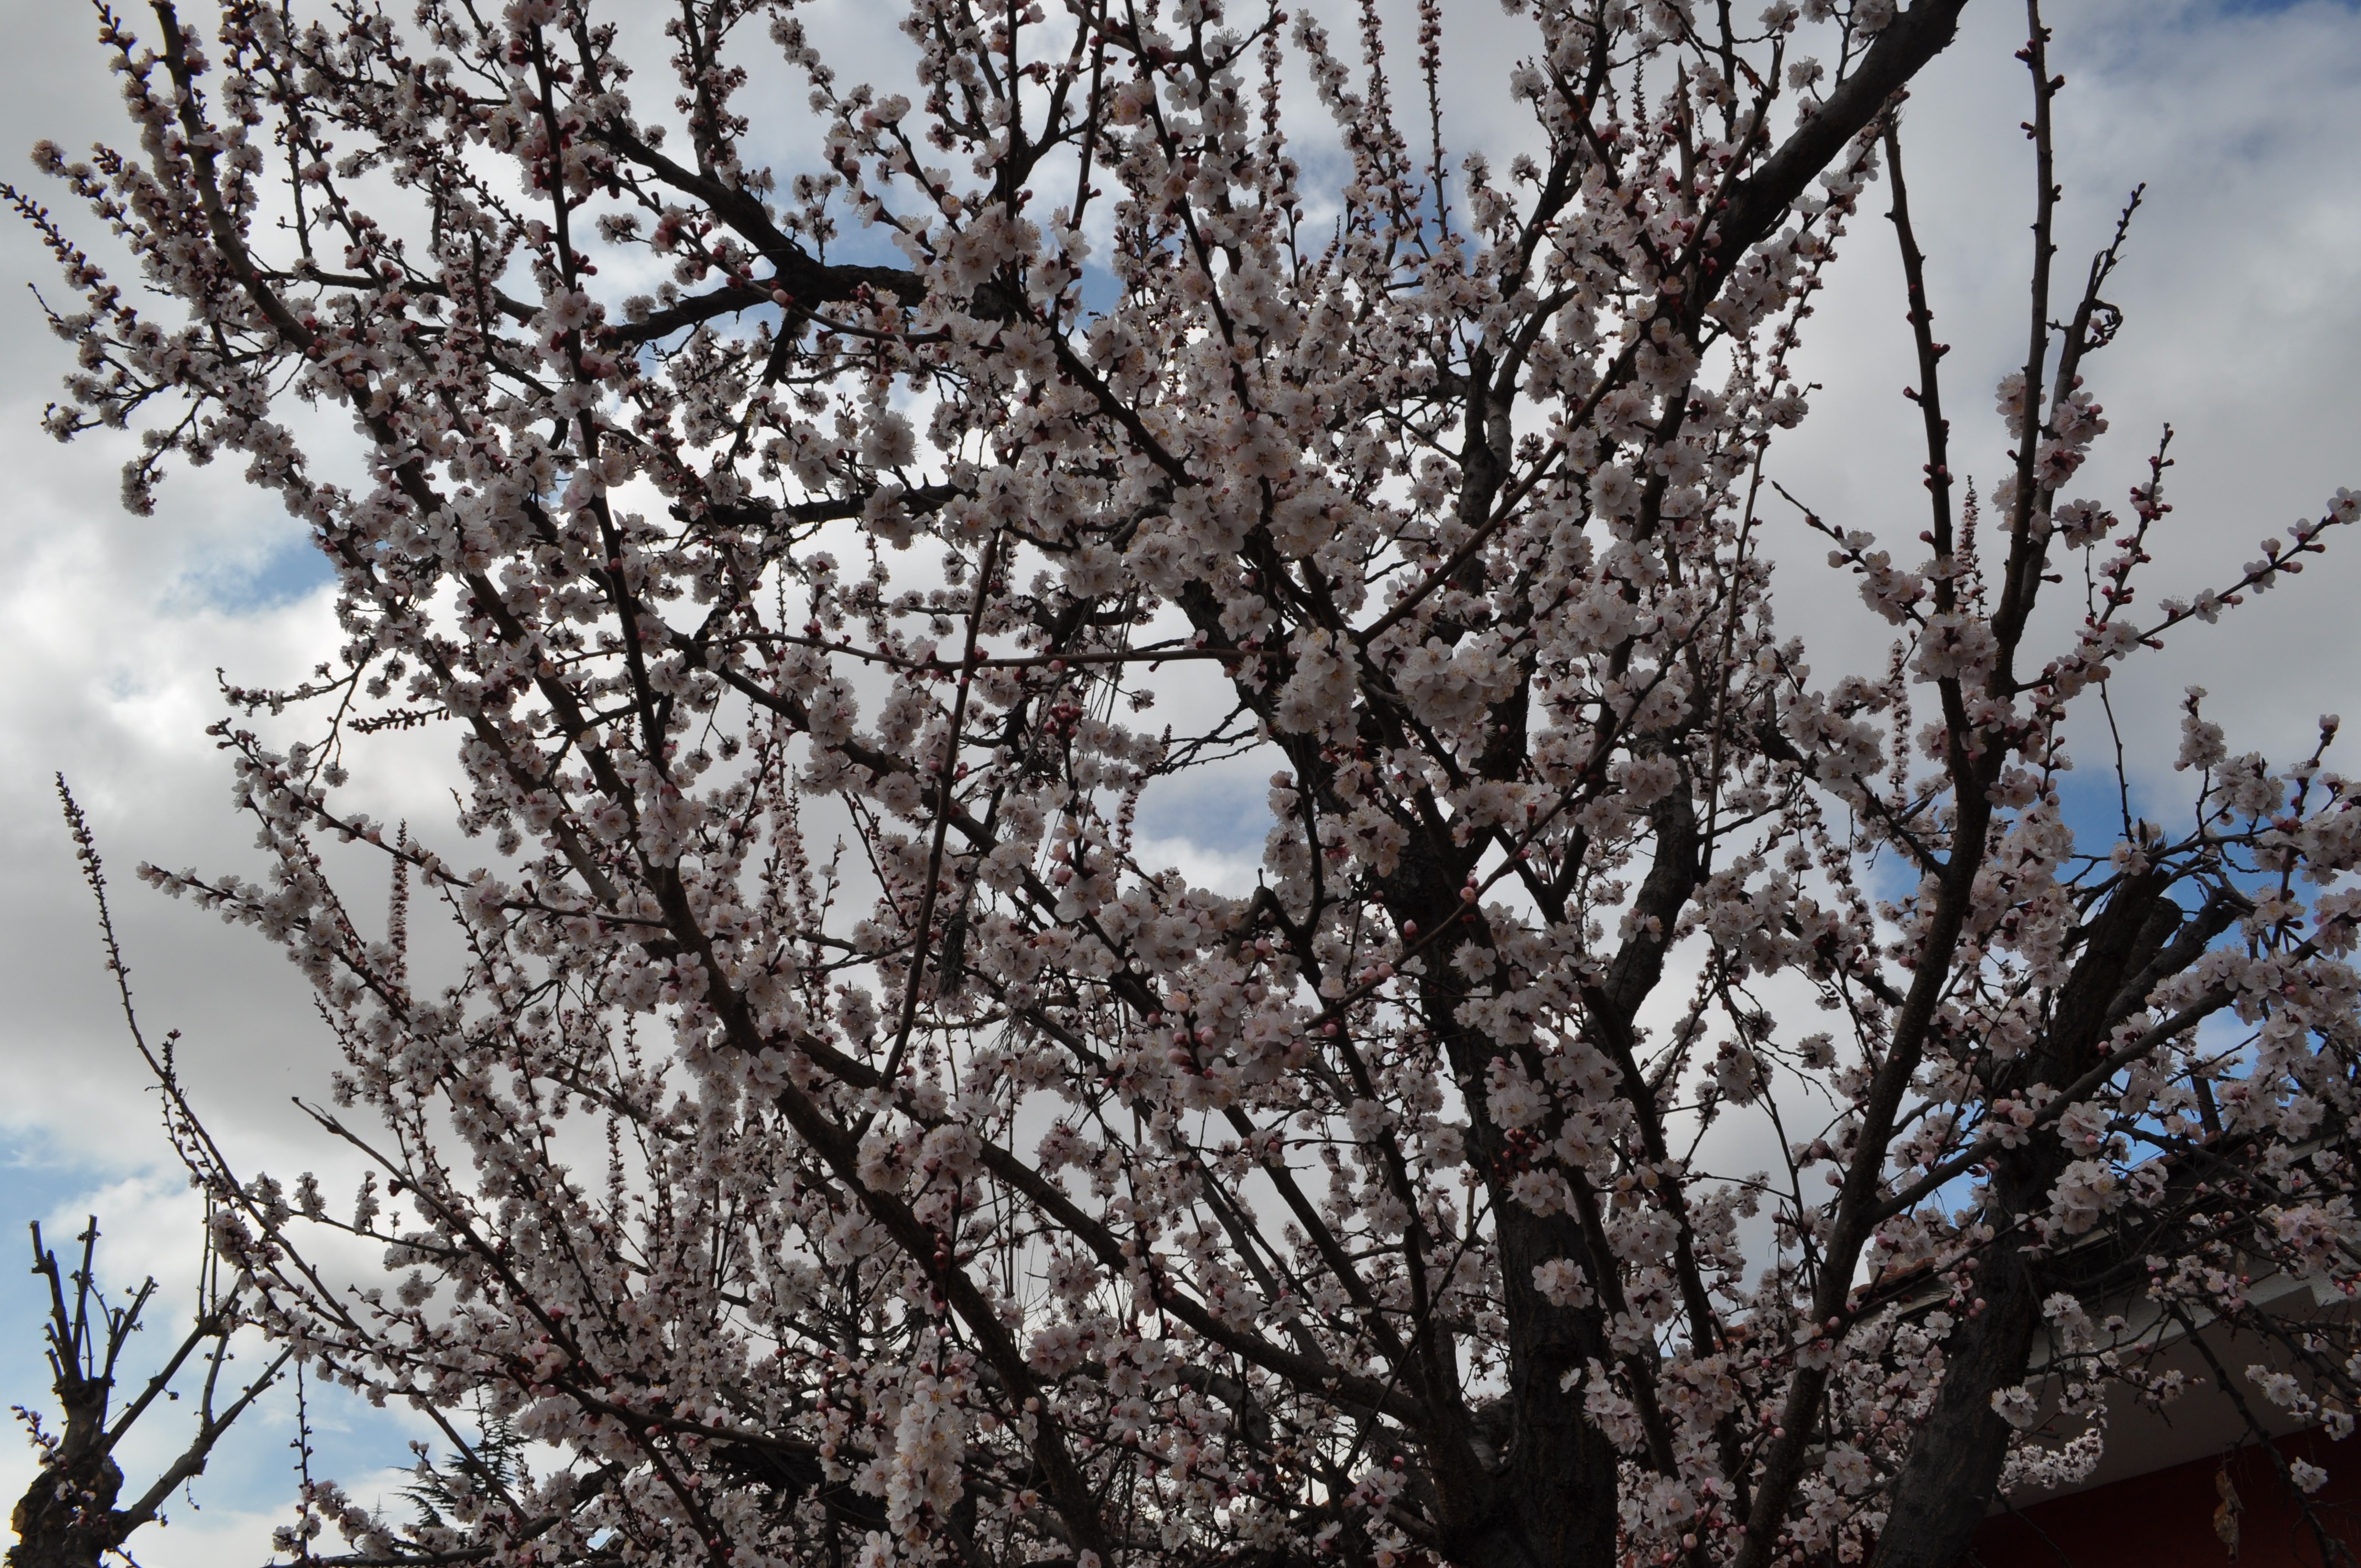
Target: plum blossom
point(841, 1115)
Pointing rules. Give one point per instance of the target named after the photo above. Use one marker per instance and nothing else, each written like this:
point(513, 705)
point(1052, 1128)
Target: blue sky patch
point(290, 569)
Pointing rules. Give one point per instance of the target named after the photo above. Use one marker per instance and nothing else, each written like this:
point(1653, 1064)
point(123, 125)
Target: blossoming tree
point(830, 1135)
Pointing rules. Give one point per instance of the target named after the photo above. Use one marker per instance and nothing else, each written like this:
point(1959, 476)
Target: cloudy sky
point(2242, 295)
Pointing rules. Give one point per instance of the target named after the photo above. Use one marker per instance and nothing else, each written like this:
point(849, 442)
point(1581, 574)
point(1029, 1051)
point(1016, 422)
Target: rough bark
point(1954, 1467)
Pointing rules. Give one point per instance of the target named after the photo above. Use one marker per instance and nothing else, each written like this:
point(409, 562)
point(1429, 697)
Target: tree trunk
point(1553, 1504)
point(66, 1517)
point(1954, 1465)
point(1954, 1469)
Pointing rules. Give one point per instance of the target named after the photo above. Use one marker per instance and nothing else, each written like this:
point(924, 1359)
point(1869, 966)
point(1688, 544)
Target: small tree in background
point(73, 1514)
point(839, 1139)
